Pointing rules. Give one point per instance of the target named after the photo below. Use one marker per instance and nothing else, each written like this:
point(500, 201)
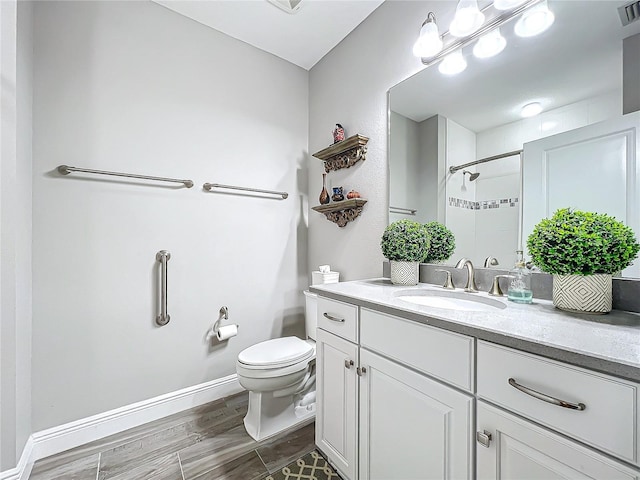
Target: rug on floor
point(308, 467)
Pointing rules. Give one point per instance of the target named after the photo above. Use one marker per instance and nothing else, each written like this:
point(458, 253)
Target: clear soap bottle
point(520, 285)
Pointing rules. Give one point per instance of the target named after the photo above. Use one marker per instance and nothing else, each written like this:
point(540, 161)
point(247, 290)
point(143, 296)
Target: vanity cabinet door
point(412, 427)
point(337, 402)
point(520, 450)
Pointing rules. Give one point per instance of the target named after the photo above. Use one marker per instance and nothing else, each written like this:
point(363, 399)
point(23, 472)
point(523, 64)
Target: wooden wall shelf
point(344, 154)
point(343, 212)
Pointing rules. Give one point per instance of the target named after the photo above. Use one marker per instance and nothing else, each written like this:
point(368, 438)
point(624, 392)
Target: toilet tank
point(310, 313)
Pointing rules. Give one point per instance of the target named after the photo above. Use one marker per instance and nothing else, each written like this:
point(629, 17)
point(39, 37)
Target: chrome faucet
point(471, 286)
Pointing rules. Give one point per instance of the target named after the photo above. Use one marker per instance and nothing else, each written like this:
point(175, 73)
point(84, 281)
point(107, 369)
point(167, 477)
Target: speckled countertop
point(607, 343)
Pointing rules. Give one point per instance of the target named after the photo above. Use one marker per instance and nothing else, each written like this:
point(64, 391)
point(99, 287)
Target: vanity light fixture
point(453, 63)
point(490, 44)
point(507, 4)
point(429, 43)
point(534, 21)
point(468, 18)
point(531, 109)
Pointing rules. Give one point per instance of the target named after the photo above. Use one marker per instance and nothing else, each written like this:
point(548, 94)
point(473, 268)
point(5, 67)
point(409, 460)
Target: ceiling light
point(507, 4)
point(453, 63)
point(531, 109)
point(429, 43)
point(489, 44)
point(534, 21)
point(468, 18)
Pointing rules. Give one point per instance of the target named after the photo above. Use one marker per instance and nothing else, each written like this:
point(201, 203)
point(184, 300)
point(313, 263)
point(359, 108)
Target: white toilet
point(280, 375)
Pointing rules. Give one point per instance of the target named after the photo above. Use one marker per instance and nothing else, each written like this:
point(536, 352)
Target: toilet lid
point(276, 353)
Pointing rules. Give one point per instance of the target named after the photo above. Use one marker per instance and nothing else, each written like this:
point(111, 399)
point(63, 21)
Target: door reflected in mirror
point(574, 71)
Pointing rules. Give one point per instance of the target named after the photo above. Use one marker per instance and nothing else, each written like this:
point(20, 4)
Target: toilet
point(280, 375)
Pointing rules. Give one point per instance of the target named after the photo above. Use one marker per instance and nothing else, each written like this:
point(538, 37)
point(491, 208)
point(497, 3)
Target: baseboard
point(70, 435)
point(23, 469)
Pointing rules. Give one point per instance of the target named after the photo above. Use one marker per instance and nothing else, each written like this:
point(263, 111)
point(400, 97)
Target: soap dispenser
point(520, 285)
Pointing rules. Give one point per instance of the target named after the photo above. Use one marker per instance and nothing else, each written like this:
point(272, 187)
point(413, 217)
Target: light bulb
point(468, 19)
point(453, 63)
point(531, 109)
point(429, 43)
point(534, 21)
point(507, 4)
point(489, 44)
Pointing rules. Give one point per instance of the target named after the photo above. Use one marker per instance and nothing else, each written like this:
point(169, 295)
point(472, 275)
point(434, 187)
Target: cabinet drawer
point(609, 420)
point(339, 318)
point(442, 354)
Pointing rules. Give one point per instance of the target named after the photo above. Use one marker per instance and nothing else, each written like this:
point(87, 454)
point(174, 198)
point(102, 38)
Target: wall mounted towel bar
point(66, 170)
point(209, 186)
point(404, 211)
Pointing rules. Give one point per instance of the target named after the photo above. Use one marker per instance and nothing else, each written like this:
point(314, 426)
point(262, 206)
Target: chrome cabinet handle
point(546, 398)
point(332, 318)
point(361, 371)
point(163, 257)
point(348, 363)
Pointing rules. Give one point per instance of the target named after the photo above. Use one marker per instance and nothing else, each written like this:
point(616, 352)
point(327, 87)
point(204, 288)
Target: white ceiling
point(579, 57)
point(302, 38)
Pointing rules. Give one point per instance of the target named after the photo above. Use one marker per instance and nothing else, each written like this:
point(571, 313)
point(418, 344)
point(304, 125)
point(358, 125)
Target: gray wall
point(15, 233)
point(135, 87)
point(349, 86)
point(631, 74)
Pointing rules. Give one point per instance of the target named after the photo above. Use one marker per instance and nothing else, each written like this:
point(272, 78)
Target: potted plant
point(582, 250)
point(442, 243)
point(405, 243)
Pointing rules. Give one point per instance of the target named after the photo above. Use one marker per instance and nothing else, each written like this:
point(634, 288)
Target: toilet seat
point(276, 354)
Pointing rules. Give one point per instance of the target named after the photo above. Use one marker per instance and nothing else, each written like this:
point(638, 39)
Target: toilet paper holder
point(216, 328)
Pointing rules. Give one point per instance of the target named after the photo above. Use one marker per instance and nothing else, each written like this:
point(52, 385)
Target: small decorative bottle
point(324, 194)
point(520, 285)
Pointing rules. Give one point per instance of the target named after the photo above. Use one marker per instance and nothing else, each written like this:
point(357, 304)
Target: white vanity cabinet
point(423, 402)
point(519, 449)
point(411, 426)
point(337, 385)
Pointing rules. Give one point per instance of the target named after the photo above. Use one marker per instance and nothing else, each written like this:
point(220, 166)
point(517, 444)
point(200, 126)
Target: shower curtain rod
point(484, 160)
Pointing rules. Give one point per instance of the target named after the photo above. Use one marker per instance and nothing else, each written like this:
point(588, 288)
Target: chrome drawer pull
point(546, 398)
point(332, 318)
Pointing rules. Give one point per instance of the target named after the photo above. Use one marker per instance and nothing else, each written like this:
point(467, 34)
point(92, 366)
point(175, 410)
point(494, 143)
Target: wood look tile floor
point(205, 443)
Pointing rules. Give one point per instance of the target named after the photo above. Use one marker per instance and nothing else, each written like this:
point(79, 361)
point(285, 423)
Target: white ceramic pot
point(583, 293)
point(404, 273)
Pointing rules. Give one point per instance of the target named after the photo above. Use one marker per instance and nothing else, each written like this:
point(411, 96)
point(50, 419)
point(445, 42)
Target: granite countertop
point(607, 343)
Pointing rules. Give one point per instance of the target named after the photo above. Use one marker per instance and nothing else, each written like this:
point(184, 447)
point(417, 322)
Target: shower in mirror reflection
point(472, 177)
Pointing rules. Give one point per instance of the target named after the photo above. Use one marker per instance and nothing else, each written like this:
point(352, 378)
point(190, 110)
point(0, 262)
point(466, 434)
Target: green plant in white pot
point(442, 243)
point(405, 243)
point(582, 250)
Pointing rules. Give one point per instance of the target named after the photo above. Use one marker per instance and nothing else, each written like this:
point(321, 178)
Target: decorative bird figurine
point(338, 133)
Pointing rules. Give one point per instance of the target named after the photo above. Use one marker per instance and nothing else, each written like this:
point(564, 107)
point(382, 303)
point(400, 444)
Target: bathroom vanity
point(408, 390)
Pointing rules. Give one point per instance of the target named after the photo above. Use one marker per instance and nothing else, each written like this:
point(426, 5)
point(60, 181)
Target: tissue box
point(319, 278)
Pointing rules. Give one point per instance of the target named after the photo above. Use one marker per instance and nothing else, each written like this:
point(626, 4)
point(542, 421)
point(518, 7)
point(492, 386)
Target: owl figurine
point(338, 133)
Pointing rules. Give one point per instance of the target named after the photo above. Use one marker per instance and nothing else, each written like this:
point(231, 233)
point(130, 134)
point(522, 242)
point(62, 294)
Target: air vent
point(289, 6)
point(629, 12)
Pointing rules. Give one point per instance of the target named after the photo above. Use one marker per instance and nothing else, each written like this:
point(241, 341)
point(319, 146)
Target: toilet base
point(269, 415)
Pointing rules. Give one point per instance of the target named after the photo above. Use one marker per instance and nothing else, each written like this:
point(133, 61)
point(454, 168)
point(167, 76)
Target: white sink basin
point(463, 302)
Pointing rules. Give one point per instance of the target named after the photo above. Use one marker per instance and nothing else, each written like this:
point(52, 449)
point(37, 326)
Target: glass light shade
point(453, 63)
point(489, 44)
point(429, 42)
point(468, 19)
point(507, 4)
point(534, 21)
point(531, 109)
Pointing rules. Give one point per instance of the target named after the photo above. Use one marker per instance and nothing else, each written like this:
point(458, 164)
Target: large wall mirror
point(579, 152)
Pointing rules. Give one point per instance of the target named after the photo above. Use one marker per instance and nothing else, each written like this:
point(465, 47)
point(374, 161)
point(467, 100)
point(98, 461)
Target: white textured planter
point(583, 293)
point(404, 273)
